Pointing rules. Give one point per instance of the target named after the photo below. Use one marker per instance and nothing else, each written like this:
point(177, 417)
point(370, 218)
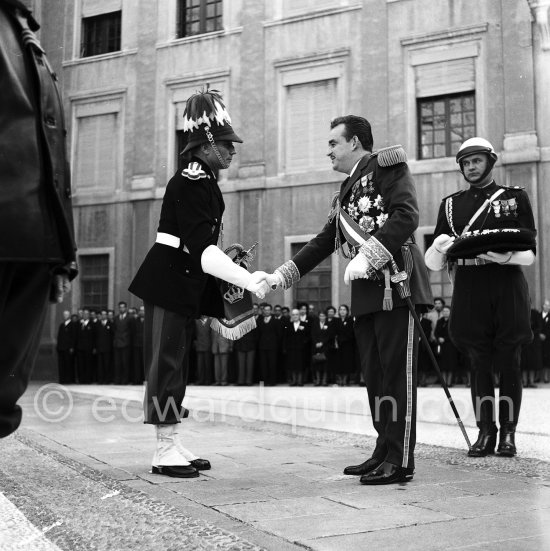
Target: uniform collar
point(354, 174)
point(488, 190)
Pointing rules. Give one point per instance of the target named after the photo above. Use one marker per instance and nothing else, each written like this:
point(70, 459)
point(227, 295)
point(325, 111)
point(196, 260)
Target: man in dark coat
point(85, 349)
point(545, 341)
point(104, 348)
point(177, 278)
point(270, 332)
point(296, 340)
point(122, 344)
point(137, 372)
point(37, 249)
point(66, 346)
point(376, 214)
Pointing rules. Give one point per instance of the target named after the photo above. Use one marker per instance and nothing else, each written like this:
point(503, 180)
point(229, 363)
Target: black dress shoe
point(485, 443)
point(365, 467)
point(387, 473)
point(176, 471)
point(507, 444)
point(201, 464)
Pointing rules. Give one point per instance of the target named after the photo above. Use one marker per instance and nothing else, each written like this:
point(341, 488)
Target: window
point(101, 34)
point(315, 287)
point(439, 281)
point(96, 158)
point(199, 17)
point(309, 109)
point(444, 123)
point(94, 280)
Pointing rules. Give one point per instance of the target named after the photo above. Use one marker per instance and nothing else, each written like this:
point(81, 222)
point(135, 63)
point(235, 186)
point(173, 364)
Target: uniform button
point(186, 271)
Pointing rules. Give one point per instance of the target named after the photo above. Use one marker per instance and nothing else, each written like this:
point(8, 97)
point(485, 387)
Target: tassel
point(236, 332)
point(388, 301)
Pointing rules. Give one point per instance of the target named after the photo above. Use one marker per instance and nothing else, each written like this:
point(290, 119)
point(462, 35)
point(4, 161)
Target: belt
point(472, 261)
point(170, 240)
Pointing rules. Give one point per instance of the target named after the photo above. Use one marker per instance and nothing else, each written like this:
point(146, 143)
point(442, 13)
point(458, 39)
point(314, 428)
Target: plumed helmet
point(205, 118)
point(476, 145)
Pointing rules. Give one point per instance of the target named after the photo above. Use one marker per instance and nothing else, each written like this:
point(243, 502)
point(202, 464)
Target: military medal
point(496, 208)
point(505, 207)
point(512, 203)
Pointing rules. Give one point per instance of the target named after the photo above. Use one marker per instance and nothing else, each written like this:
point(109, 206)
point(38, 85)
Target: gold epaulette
point(392, 155)
point(194, 171)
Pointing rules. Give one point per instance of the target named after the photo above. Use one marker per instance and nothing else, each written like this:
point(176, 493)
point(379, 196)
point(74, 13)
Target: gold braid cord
point(289, 274)
point(377, 255)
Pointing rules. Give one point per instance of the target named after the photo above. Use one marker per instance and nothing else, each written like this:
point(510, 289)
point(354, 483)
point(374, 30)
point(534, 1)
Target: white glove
point(215, 262)
point(357, 268)
point(518, 258)
point(436, 255)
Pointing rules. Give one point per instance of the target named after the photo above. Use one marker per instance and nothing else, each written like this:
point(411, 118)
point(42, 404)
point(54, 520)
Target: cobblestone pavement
point(79, 477)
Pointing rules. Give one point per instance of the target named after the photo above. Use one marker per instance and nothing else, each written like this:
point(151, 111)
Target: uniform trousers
point(167, 339)
point(24, 291)
point(388, 350)
point(490, 321)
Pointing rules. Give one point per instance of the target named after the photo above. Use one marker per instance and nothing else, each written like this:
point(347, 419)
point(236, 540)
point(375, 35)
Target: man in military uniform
point(490, 317)
point(376, 213)
point(177, 278)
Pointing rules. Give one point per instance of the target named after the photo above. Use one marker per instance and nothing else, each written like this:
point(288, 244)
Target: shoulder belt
point(389, 156)
point(194, 171)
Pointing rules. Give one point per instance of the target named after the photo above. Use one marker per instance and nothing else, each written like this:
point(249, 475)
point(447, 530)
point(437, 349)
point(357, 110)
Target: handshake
point(261, 283)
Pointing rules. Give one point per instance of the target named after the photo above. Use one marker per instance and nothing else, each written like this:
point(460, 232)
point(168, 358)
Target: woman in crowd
point(319, 342)
point(345, 341)
point(448, 353)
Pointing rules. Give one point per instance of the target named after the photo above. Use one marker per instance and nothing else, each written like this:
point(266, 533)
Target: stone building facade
point(426, 73)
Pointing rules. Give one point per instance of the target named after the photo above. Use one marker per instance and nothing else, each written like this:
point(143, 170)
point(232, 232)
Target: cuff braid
point(289, 274)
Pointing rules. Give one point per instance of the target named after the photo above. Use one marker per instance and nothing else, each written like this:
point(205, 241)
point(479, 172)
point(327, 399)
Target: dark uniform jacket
point(382, 200)
point(66, 336)
point(172, 278)
point(35, 201)
point(463, 204)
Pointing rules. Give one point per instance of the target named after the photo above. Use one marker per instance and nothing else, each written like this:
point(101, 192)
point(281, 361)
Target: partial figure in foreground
point(177, 278)
point(483, 236)
point(374, 217)
point(37, 249)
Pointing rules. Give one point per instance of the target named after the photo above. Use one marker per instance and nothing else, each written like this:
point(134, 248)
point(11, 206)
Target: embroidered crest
point(194, 171)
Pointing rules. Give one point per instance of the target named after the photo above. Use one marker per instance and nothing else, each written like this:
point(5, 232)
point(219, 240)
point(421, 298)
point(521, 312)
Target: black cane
point(399, 278)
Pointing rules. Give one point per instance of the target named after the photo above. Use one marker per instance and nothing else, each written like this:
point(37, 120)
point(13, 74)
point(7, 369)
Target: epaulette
point(194, 171)
point(392, 155)
point(512, 188)
point(454, 194)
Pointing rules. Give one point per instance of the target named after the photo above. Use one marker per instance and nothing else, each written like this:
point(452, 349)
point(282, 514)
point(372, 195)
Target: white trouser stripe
point(409, 375)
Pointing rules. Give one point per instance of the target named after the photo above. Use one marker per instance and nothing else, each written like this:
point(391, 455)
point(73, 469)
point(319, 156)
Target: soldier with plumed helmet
point(484, 234)
point(177, 280)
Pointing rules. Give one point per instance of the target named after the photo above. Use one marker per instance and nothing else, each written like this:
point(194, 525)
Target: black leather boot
point(507, 444)
point(486, 441)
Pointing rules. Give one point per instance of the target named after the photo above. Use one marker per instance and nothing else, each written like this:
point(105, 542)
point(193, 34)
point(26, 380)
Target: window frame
point(448, 128)
point(181, 19)
point(76, 284)
point(103, 31)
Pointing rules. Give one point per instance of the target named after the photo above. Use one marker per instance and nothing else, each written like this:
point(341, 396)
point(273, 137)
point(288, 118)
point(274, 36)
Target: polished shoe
point(507, 444)
point(485, 443)
point(200, 464)
point(387, 473)
point(176, 471)
point(365, 467)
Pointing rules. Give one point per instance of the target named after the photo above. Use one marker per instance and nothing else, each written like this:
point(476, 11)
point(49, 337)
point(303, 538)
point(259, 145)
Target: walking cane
point(399, 278)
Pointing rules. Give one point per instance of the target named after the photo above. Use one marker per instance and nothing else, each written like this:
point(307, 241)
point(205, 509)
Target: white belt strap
point(170, 240)
point(482, 208)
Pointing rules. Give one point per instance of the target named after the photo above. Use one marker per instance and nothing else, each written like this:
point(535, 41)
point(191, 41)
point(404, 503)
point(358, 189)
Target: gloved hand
point(521, 258)
point(357, 268)
point(436, 255)
point(258, 284)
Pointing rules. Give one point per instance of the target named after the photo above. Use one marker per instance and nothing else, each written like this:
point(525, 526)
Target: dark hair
point(121, 303)
point(440, 299)
point(285, 309)
point(355, 126)
point(344, 306)
point(330, 308)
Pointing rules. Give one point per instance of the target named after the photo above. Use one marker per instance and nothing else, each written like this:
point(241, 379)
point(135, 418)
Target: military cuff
point(377, 255)
point(289, 274)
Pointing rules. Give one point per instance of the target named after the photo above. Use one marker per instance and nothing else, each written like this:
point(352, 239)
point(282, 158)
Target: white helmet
point(476, 145)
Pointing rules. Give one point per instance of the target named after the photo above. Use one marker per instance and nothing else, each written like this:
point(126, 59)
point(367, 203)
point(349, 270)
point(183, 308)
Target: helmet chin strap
point(215, 148)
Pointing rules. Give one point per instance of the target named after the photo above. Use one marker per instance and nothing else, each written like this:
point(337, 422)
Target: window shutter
point(97, 7)
point(96, 152)
point(448, 77)
point(310, 107)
